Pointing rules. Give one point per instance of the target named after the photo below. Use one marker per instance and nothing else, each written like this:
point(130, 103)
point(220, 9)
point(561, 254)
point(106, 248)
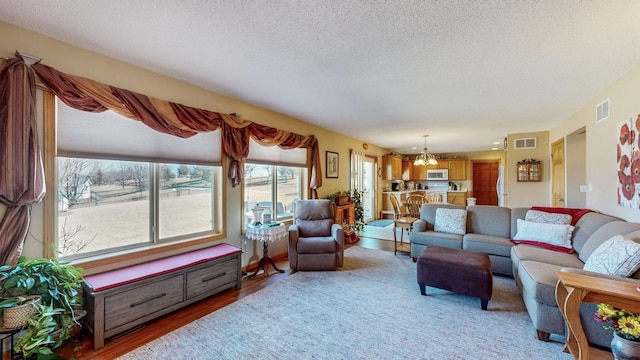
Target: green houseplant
point(59, 284)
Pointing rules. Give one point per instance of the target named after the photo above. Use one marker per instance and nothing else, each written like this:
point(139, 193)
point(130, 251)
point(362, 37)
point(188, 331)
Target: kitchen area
point(401, 177)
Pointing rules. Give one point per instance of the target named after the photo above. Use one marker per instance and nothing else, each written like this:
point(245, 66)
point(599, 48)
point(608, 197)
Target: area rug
point(380, 223)
point(370, 309)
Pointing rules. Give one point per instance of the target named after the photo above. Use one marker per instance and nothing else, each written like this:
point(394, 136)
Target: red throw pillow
point(545, 245)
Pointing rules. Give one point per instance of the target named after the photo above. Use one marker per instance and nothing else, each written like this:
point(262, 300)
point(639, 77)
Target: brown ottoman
point(461, 271)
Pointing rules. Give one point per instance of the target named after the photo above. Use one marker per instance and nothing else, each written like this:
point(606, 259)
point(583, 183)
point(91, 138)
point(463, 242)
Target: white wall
point(601, 140)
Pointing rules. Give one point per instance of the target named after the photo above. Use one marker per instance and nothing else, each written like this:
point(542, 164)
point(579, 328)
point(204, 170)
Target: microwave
point(438, 174)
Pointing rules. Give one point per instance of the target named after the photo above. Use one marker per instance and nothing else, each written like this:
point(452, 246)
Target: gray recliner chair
point(316, 242)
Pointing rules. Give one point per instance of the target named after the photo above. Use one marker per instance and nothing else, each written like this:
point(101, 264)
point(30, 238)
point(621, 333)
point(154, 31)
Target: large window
point(273, 179)
point(121, 185)
point(273, 188)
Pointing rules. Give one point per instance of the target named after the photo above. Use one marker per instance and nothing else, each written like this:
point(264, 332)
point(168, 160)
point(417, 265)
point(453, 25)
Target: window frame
point(303, 189)
point(125, 256)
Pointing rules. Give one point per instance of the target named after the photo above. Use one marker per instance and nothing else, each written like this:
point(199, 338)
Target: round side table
point(273, 231)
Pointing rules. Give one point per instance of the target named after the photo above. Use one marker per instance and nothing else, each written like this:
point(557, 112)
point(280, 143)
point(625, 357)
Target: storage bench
point(122, 299)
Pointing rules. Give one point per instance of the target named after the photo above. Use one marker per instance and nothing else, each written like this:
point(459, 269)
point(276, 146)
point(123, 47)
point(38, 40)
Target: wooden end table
point(573, 289)
point(402, 223)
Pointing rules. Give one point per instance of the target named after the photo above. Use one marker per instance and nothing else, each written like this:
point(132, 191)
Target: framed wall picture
point(332, 164)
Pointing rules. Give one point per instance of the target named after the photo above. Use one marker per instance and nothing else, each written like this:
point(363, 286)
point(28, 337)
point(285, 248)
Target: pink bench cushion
point(111, 279)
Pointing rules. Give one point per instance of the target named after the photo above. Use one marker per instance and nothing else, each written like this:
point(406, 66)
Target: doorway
point(369, 188)
point(484, 178)
point(363, 179)
point(557, 173)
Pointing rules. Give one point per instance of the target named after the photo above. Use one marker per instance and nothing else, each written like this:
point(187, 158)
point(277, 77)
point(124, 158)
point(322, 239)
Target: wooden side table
point(573, 289)
point(265, 233)
point(402, 223)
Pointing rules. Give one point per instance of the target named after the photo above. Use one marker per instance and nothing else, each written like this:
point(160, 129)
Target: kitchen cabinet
point(407, 170)
point(419, 172)
point(529, 171)
point(442, 164)
point(457, 197)
point(457, 169)
point(391, 167)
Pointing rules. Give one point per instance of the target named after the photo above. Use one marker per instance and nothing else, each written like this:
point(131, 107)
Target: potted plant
point(356, 197)
point(59, 284)
point(626, 330)
point(341, 197)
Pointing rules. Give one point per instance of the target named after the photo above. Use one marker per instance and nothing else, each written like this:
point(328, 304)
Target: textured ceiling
point(465, 72)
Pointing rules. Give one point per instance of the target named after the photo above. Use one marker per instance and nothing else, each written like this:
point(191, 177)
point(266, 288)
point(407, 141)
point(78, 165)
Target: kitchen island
point(448, 196)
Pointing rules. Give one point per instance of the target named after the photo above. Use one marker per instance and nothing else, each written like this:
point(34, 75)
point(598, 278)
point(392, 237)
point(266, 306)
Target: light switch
point(583, 188)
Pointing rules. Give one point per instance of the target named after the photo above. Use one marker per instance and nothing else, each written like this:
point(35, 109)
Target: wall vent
point(528, 143)
point(602, 111)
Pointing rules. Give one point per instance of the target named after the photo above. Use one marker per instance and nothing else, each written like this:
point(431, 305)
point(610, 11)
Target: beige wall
point(576, 169)
point(601, 172)
point(525, 194)
point(73, 60)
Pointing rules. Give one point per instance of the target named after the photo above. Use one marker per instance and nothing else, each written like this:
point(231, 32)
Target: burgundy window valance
point(179, 120)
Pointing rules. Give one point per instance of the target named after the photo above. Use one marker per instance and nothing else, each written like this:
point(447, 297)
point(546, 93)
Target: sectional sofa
point(489, 229)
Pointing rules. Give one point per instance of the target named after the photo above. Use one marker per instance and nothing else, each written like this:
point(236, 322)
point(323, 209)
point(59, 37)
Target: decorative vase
point(257, 215)
point(624, 349)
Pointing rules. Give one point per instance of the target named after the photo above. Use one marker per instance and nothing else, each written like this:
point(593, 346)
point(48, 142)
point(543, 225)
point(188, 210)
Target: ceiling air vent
point(528, 143)
point(602, 111)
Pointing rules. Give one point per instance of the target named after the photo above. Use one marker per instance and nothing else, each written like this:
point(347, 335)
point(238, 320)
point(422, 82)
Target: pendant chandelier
point(424, 158)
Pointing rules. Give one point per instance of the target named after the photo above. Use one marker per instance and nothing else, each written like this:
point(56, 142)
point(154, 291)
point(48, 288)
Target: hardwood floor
point(83, 348)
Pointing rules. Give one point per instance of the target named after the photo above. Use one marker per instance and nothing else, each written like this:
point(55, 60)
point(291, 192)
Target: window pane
point(102, 204)
point(289, 188)
point(258, 188)
point(185, 199)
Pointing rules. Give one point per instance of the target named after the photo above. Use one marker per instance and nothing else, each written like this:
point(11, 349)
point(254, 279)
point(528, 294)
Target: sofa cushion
point(539, 279)
point(533, 253)
point(586, 226)
point(430, 237)
point(316, 245)
point(428, 212)
point(489, 220)
point(547, 217)
point(451, 221)
point(492, 245)
point(604, 233)
point(552, 234)
point(617, 256)
point(309, 228)
point(517, 213)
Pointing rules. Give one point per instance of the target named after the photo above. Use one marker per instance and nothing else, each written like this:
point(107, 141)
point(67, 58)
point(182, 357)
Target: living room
point(599, 174)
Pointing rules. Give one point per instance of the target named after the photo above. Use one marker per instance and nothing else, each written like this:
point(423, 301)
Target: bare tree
point(166, 173)
point(183, 170)
point(67, 245)
point(71, 179)
point(140, 174)
point(248, 172)
point(122, 174)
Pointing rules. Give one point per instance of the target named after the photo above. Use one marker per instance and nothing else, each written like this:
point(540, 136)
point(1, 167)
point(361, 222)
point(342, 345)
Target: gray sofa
point(489, 230)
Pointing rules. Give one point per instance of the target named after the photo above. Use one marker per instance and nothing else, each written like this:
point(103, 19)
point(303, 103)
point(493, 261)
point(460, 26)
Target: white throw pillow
point(451, 221)
point(617, 256)
point(538, 216)
point(553, 234)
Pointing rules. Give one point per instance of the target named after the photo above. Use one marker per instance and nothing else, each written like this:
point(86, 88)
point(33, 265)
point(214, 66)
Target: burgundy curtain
point(179, 120)
point(22, 174)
